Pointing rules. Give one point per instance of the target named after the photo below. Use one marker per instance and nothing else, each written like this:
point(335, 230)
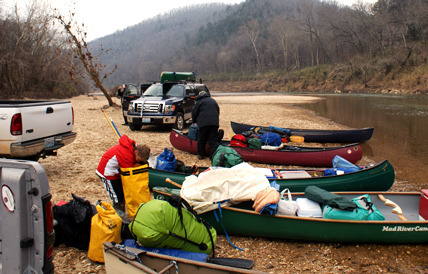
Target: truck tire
point(179, 121)
point(133, 127)
point(34, 158)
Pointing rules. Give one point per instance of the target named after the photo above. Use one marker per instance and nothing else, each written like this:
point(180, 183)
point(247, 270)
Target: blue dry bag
point(271, 139)
point(166, 160)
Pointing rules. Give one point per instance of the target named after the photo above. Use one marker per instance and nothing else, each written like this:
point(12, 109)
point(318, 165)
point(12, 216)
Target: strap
point(202, 246)
point(220, 220)
point(177, 202)
point(221, 159)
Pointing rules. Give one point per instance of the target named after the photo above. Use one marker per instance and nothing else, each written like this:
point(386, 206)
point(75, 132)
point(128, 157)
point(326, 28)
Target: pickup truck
point(26, 223)
point(169, 102)
point(30, 129)
point(128, 94)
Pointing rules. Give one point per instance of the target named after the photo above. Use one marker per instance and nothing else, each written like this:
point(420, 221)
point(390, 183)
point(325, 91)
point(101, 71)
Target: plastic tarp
point(231, 185)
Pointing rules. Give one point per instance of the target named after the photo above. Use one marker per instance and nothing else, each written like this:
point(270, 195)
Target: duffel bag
point(365, 211)
point(226, 157)
point(255, 143)
point(238, 140)
point(167, 224)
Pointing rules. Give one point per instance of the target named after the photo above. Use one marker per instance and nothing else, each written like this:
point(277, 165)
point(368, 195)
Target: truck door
point(189, 101)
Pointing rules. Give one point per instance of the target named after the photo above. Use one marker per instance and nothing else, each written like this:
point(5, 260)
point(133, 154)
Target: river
point(401, 129)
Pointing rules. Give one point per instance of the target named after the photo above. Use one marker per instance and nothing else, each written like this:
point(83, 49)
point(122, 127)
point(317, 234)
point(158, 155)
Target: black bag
point(74, 223)
point(179, 166)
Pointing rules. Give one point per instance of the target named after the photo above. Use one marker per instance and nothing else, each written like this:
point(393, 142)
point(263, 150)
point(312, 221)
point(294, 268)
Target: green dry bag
point(226, 157)
point(159, 224)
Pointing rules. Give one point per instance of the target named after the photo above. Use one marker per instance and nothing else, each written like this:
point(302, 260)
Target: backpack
point(74, 223)
point(255, 143)
point(271, 139)
point(193, 132)
point(239, 140)
point(167, 224)
point(226, 157)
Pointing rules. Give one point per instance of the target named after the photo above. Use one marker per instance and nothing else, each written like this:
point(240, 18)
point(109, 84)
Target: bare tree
point(89, 62)
point(252, 29)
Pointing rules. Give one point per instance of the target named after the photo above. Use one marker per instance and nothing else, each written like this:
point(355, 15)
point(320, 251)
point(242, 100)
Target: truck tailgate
point(26, 242)
point(46, 120)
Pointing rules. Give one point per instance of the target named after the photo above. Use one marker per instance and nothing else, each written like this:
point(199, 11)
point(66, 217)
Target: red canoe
point(289, 155)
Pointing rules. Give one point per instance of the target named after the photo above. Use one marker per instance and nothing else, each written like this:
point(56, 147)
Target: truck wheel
point(179, 121)
point(134, 127)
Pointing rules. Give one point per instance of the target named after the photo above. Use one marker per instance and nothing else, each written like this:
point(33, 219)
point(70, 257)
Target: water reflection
point(401, 129)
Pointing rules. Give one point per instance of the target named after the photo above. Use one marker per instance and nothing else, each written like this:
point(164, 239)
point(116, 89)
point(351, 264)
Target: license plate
point(49, 142)
point(146, 120)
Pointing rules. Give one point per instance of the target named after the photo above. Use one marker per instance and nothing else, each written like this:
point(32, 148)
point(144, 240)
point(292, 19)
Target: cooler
point(423, 205)
point(308, 208)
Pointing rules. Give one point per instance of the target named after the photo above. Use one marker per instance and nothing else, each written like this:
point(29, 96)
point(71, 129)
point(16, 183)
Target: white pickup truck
point(31, 129)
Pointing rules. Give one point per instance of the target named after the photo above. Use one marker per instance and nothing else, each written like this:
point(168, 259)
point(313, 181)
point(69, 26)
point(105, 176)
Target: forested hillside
point(276, 45)
point(296, 44)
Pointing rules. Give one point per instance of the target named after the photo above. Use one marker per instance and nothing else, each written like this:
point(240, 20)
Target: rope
point(221, 222)
point(123, 248)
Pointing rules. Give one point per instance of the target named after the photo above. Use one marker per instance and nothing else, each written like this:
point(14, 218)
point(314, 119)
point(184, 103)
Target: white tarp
point(239, 183)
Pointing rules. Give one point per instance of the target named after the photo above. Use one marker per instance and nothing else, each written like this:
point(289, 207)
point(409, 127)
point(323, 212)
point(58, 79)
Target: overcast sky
point(103, 17)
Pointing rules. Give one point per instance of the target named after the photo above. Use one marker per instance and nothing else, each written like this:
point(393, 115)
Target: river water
point(400, 134)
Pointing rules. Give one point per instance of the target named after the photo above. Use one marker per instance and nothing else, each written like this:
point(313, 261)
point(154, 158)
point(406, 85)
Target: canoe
point(136, 261)
point(374, 177)
point(358, 135)
point(288, 155)
point(242, 220)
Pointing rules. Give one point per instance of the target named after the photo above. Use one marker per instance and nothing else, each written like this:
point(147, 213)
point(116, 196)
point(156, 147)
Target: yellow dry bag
point(135, 183)
point(106, 226)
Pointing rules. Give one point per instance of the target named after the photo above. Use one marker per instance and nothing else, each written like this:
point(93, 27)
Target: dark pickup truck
point(169, 102)
point(129, 93)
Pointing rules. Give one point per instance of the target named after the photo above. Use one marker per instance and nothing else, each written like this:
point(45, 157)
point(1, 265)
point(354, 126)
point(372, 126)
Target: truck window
point(175, 91)
point(191, 92)
point(131, 90)
point(153, 91)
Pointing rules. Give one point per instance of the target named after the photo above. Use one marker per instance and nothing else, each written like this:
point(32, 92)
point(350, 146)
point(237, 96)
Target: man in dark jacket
point(206, 115)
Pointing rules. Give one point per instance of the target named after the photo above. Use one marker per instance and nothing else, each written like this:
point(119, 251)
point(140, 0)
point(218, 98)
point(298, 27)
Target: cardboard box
point(423, 205)
point(308, 208)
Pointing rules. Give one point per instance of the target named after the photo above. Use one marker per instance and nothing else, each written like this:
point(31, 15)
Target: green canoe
point(242, 220)
point(374, 177)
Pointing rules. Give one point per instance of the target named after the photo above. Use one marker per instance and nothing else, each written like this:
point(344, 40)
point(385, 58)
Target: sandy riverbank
point(73, 171)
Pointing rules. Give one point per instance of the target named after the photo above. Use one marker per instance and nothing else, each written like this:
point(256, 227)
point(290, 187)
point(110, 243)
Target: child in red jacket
point(125, 154)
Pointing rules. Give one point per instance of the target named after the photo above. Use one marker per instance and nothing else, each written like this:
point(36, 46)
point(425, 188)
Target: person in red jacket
point(126, 154)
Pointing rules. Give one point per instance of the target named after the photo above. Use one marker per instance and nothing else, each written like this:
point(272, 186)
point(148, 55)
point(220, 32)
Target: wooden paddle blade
point(233, 262)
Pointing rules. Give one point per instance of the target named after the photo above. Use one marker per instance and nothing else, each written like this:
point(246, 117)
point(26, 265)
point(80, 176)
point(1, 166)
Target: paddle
point(113, 126)
point(168, 180)
point(234, 262)
point(396, 208)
